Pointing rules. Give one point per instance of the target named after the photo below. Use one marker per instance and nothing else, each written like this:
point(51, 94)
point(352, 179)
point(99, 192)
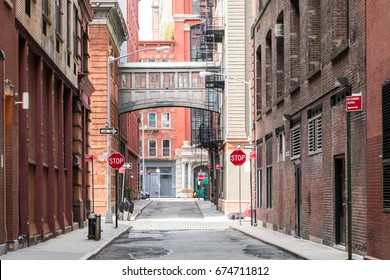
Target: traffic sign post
point(116, 160)
point(238, 158)
point(89, 158)
point(354, 102)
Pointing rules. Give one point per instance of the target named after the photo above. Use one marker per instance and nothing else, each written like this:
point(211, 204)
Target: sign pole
point(239, 188)
point(116, 197)
point(349, 185)
point(93, 192)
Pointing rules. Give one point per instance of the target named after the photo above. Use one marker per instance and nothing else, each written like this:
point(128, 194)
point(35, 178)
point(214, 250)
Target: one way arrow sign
point(109, 130)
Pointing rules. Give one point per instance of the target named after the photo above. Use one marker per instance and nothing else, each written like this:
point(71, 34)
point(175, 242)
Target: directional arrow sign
point(109, 130)
point(127, 165)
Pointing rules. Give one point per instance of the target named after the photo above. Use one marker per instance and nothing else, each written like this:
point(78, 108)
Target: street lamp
point(112, 60)
point(248, 83)
point(143, 154)
point(159, 187)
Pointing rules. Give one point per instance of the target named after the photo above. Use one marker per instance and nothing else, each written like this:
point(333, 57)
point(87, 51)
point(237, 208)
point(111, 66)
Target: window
point(268, 70)
point(259, 150)
point(197, 80)
point(165, 60)
point(258, 82)
point(125, 80)
point(28, 7)
point(195, 7)
point(166, 148)
point(295, 140)
point(169, 80)
point(279, 35)
point(152, 148)
point(166, 120)
point(140, 80)
point(76, 34)
point(269, 169)
point(196, 53)
point(152, 120)
point(315, 131)
point(45, 16)
point(386, 144)
point(295, 36)
point(154, 80)
point(151, 60)
point(183, 80)
point(281, 144)
point(58, 23)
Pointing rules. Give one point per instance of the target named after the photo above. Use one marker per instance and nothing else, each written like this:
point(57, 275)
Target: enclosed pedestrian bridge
point(144, 85)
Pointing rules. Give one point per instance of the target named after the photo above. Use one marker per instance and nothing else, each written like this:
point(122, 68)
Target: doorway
point(298, 200)
point(340, 201)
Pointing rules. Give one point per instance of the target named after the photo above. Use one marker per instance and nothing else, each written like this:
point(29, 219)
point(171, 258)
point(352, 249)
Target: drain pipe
point(2, 57)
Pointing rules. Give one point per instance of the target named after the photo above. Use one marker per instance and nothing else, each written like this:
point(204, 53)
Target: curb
point(107, 243)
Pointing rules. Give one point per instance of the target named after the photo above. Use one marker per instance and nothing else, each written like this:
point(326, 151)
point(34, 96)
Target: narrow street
point(177, 230)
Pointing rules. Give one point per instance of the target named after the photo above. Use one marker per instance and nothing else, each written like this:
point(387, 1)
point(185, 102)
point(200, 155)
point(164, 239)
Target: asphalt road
point(176, 230)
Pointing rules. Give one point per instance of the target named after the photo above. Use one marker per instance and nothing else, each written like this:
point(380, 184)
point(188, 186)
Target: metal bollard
point(98, 227)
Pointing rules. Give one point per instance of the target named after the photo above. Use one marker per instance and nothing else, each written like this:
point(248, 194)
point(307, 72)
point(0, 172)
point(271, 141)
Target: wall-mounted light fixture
point(286, 117)
point(25, 100)
point(341, 82)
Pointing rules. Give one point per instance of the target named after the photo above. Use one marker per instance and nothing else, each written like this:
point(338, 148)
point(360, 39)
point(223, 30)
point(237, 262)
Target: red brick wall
point(316, 88)
point(8, 44)
point(378, 70)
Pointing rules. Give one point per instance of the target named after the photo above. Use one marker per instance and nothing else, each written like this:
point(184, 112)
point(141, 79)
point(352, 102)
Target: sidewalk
point(304, 249)
point(76, 246)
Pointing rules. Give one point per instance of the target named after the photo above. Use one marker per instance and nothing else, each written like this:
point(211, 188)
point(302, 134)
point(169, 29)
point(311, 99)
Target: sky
point(145, 20)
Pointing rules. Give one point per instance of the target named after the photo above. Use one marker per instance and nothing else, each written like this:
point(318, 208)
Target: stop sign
point(238, 157)
point(116, 160)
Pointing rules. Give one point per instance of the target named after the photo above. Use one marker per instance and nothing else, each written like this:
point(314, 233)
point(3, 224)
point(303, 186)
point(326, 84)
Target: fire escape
point(209, 132)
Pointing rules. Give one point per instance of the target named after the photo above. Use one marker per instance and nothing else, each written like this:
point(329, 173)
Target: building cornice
point(109, 13)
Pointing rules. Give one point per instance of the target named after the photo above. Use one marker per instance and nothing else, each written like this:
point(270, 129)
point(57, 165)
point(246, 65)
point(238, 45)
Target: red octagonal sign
point(116, 160)
point(238, 157)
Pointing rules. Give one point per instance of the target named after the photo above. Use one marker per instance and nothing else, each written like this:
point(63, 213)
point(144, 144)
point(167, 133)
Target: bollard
point(92, 226)
point(98, 227)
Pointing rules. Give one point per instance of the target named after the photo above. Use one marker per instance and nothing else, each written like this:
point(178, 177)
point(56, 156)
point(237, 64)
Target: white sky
point(145, 20)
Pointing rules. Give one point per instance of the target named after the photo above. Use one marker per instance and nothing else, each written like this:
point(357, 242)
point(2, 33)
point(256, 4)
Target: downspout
point(2, 57)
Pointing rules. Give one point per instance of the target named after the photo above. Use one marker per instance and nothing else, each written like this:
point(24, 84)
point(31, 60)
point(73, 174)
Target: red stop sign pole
point(238, 158)
point(116, 160)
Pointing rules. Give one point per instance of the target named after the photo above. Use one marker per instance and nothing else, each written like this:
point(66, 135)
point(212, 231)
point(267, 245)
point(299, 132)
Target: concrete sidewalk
point(76, 246)
point(304, 249)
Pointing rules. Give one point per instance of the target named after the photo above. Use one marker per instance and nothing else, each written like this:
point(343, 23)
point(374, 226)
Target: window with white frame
point(315, 130)
point(125, 80)
point(140, 80)
point(166, 120)
point(152, 151)
point(152, 120)
point(197, 80)
point(295, 141)
point(183, 80)
point(169, 80)
point(166, 148)
point(154, 80)
point(281, 144)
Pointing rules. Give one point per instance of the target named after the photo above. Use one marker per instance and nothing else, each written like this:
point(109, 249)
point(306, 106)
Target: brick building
point(107, 33)
point(8, 112)
point(378, 93)
point(301, 48)
point(46, 184)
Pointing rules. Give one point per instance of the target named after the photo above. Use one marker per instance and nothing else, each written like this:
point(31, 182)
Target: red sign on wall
point(354, 102)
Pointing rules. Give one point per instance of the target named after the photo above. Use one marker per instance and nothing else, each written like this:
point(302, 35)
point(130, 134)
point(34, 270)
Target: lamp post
point(143, 155)
point(248, 83)
point(158, 182)
point(112, 60)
